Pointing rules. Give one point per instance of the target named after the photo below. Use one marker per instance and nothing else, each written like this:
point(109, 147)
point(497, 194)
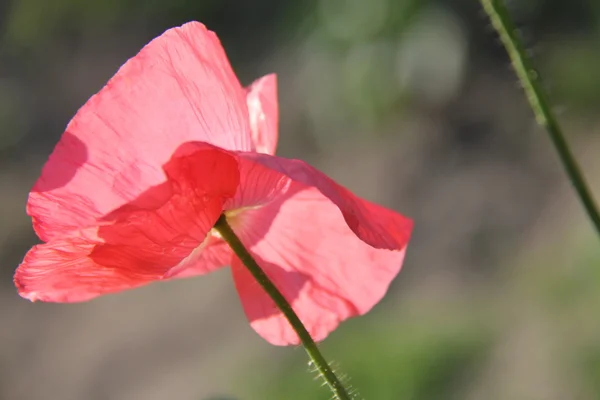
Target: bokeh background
point(410, 103)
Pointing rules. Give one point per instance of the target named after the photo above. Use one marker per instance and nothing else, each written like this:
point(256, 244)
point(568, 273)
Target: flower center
point(234, 217)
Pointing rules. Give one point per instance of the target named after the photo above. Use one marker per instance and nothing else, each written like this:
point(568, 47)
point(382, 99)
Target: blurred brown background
point(410, 103)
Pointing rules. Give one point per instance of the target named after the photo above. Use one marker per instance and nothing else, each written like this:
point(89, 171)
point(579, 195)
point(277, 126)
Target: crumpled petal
point(375, 225)
point(142, 241)
point(258, 186)
point(62, 271)
point(263, 110)
point(332, 254)
point(178, 88)
point(318, 263)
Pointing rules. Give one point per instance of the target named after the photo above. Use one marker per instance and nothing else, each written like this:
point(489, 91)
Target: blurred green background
point(409, 103)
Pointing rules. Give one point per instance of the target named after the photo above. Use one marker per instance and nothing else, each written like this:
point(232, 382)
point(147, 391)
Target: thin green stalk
point(530, 79)
point(309, 344)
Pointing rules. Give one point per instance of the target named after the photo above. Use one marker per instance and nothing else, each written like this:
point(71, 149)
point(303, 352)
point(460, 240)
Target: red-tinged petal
point(141, 241)
point(264, 114)
point(258, 186)
point(375, 225)
point(179, 88)
point(62, 271)
point(319, 264)
point(211, 255)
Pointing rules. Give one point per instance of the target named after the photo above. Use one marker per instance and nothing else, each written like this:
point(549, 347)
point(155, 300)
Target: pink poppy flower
point(146, 167)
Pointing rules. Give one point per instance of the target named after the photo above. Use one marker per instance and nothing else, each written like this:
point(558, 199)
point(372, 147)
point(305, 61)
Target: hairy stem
point(531, 82)
point(309, 344)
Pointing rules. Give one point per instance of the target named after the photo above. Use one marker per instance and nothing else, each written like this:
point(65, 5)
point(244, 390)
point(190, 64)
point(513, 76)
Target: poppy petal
point(318, 263)
point(212, 254)
point(375, 225)
point(138, 243)
point(178, 88)
point(264, 114)
point(62, 271)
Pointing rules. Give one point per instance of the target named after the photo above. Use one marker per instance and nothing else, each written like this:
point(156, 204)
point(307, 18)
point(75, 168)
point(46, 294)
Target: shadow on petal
point(319, 311)
point(257, 304)
point(72, 154)
point(165, 224)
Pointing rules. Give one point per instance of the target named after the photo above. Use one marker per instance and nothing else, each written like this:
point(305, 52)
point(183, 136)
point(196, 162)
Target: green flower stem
point(530, 79)
point(309, 344)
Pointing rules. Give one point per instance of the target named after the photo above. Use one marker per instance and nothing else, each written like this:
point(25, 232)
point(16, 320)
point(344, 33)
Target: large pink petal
point(145, 240)
point(63, 271)
point(319, 264)
point(375, 225)
point(179, 88)
point(264, 114)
